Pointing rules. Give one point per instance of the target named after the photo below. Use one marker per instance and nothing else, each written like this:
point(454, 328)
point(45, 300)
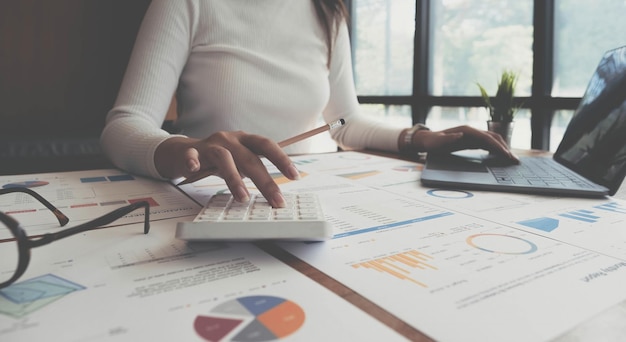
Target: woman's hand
point(461, 138)
point(231, 156)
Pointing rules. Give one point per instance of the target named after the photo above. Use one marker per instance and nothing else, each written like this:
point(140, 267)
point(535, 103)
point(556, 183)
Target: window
point(420, 60)
point(382, 49)
point(382, 42)
point(475, 40)
point(584, 30)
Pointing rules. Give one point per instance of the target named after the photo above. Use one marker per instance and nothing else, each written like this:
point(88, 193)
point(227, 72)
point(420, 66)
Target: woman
point(247, 74)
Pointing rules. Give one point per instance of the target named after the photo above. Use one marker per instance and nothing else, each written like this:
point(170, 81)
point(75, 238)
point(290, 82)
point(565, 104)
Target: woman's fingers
point(229, 155)
point(251, 165)
point(224, 166)
point(234, 154)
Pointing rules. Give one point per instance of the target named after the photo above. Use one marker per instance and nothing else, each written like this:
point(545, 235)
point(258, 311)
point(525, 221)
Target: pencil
point(284, 143)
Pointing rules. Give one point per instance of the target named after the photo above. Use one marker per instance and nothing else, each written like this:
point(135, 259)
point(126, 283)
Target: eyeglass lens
point(13, 263)
point(9, 257)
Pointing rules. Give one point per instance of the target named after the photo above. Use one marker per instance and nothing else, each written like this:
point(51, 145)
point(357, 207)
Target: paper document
point(85, 195)
point(120, 285)
point(458, 265)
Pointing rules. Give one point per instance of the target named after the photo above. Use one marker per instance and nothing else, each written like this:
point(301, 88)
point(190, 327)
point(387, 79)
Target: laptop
point(590, 160)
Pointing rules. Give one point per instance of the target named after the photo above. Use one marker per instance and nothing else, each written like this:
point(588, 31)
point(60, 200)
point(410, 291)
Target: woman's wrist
point(406, 141)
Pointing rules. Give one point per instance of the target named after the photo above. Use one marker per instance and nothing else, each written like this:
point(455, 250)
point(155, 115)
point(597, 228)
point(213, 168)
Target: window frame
point(541, 103)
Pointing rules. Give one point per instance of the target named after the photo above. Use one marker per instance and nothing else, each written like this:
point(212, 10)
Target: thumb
point(191, 160)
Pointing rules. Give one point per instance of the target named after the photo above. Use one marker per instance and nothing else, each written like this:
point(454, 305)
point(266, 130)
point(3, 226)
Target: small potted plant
point(501, 107)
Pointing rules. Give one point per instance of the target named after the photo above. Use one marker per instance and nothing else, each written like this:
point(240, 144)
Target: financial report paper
point(461, 265)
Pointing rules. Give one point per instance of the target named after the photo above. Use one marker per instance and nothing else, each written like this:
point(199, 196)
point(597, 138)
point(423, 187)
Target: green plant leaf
point(502, 105)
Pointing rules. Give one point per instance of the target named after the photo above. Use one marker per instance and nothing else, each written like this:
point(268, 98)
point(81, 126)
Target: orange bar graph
point(400, 265)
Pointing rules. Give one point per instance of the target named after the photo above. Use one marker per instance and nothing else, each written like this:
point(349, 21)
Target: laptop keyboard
point(538, 172)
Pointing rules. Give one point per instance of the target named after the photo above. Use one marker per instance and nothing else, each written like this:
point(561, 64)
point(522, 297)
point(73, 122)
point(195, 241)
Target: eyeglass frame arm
point(95, 224)
point(63, 220)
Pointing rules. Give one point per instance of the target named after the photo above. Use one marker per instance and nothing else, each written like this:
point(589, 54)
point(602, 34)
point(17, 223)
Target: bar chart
point(401, 265)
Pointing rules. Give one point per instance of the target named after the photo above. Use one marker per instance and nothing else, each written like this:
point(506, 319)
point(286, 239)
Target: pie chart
point(251, 319)
point(501, 244)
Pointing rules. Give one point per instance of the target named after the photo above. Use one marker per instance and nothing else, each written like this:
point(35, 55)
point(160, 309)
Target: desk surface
point(607, 326)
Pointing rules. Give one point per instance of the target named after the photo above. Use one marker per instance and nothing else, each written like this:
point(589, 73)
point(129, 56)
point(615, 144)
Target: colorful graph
point(359, 175)
point(546, 224)
point(279, 178)
point(23, 298)
point(304, 161)
point(581, 215)
point(451, 194)
point(26, 184)
point(114, 178)
point(613, 207)
point(266, 318)
point(354, 156)
point(385, 226)
point(501, 244)
point(409, 168)
point(590, 216)
point(153, 203)
point(400, 265)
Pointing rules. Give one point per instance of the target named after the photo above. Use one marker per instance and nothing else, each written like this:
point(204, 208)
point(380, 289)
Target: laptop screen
point(594, 144)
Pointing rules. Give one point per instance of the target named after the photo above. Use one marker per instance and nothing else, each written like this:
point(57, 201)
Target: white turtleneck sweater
point(257, 66)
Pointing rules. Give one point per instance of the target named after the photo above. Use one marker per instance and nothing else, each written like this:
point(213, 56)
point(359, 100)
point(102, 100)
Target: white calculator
point(223, 218)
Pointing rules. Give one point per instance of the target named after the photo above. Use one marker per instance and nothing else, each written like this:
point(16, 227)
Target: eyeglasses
point(15, 253)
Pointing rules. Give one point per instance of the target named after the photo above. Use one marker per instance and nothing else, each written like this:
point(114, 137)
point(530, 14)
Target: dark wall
point(62, 62)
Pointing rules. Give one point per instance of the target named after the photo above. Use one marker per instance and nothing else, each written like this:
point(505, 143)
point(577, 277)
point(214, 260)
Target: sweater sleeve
point(359, 132)
point(133, 127)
